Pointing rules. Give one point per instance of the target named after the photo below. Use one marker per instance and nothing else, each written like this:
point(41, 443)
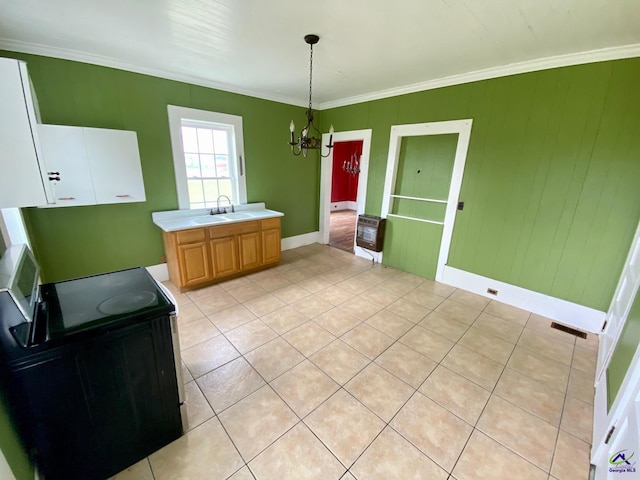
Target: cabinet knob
point(54, 179)
point(123, 196)
point(53, 173)
point(67, 198)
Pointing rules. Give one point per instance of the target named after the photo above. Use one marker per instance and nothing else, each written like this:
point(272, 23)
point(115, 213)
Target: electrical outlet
point(492, 291)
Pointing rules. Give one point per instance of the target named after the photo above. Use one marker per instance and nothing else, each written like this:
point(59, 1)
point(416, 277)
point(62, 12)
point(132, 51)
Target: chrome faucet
point(224, 210)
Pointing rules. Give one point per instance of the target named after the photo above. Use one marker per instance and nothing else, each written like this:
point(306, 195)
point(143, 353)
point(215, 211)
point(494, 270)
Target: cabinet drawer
point(190, 236)
point(268, 223)
point(234, 229)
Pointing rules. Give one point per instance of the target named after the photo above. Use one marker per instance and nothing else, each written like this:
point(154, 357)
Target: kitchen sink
point(222, 218)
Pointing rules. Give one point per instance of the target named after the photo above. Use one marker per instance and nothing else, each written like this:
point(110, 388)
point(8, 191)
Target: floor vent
point(570, 330)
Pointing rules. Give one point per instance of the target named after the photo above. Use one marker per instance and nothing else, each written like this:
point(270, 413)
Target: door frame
point(326, 173)
point(460, 127)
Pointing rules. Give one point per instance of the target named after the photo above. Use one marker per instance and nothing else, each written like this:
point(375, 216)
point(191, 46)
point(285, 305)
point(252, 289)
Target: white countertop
point(173, 220)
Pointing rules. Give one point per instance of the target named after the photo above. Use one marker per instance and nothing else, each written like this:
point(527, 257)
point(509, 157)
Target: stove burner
point(127, 302)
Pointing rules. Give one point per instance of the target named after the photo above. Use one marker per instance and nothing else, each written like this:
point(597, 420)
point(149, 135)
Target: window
point(208, 157)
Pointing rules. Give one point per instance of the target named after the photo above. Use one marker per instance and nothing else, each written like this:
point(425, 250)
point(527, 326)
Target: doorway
point(352, 208)
point(344, 194)
point(422, 185)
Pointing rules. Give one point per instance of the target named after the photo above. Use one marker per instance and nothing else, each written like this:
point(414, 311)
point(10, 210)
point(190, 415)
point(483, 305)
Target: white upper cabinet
point(92, 165)
point(66, 158)
point(115, 165)
point(23, 176)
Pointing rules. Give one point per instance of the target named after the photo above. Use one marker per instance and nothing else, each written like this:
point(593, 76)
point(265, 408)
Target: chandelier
point(307, 141)
point(352, 166)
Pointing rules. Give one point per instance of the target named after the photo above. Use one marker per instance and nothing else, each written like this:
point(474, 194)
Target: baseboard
point(346, 205)
point(300, 240)
point(368, 254)
point(568, 313)
point(159, 272)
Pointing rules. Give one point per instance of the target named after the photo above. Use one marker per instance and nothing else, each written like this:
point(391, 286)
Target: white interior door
point(616, 424)
point(616, 455)
point(620, 305)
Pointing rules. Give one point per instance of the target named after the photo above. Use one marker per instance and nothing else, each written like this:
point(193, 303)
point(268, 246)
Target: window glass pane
point(208, 166)
point(195, 191)
point(222, 165)
point(221, 141)
point(210, 190)
point(225, 189)
point(205, 140)
point(189, 139)
point(193, 165)
point(208, 147)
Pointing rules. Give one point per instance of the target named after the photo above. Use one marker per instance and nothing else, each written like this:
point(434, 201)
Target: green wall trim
point(551, 179)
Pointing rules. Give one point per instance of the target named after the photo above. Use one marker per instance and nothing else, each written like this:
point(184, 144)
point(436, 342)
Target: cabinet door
point(66, 157)
point(270, 240)
point(115, 165)
point(224, 256)
point(271, 246)
point(249, 250)
point(22, 181)
point(194, 264)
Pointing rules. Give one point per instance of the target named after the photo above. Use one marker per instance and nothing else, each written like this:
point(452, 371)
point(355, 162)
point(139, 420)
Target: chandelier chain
point(310, 74)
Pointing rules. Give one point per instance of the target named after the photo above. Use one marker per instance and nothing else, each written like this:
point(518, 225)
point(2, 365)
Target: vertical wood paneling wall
point(552, 179)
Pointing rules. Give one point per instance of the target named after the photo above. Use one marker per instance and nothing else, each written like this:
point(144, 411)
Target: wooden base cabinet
point(200, 256)
point(224, 255)
point(271, 241)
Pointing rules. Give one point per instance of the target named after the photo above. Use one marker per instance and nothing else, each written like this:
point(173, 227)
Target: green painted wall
point(551, 179)
point(624, 352)
point(75, 241)
point(425, 165)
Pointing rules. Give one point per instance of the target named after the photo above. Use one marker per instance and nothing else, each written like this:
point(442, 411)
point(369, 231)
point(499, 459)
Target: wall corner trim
point(563, 311)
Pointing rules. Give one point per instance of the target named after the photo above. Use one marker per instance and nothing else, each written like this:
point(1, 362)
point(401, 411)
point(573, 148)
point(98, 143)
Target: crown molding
point(592, 56)
point(67, 54)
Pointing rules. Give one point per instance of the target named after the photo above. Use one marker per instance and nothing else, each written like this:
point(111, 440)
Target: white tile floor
point(327, 367)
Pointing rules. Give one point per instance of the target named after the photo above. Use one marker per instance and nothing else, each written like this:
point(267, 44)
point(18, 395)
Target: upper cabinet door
point(114, 161)
point(22, 182)
point(66, 158)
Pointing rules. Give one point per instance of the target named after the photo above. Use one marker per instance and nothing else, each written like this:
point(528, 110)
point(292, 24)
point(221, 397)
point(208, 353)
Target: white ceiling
point(368, 48)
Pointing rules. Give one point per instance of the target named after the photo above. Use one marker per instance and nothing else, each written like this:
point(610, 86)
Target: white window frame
point(236, 159)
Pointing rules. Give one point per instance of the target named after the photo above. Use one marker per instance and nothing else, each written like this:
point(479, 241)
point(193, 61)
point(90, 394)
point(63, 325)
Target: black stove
point(88, 367)
point(86, 303)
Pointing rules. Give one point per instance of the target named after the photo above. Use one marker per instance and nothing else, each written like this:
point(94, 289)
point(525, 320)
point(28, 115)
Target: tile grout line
point(370, 361)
